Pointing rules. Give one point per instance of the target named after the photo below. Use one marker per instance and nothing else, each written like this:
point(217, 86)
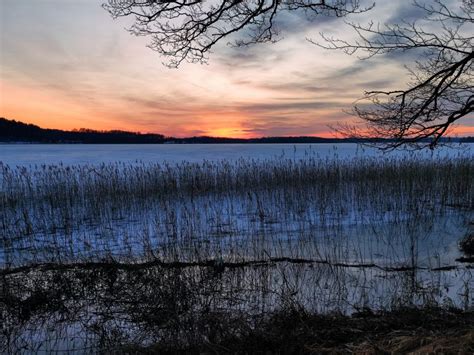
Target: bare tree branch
point(442, 87)
point(188, 29)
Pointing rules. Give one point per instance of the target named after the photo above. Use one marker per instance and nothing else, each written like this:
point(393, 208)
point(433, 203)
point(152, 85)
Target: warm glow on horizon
point(68, 65)
point(49, 110)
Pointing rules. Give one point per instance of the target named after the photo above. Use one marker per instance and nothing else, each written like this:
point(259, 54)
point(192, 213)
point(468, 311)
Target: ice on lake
point(99, 232)
point(31, 154)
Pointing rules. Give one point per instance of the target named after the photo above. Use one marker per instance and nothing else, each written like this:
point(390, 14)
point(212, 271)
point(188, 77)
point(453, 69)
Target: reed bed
point(132, 210)
point(120, 254)
point(64, 185)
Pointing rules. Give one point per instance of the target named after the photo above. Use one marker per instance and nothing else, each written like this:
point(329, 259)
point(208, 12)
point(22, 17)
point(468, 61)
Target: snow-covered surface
point(251, 225)
point(31, 154)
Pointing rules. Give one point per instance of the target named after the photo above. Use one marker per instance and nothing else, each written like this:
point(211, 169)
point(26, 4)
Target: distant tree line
point(12, 131)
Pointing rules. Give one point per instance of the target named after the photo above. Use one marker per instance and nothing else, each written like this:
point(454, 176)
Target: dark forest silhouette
point(15, 131)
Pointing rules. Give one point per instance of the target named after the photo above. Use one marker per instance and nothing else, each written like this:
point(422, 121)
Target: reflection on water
point(110, 305)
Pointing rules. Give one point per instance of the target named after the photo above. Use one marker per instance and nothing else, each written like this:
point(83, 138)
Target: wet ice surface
point(234, 229)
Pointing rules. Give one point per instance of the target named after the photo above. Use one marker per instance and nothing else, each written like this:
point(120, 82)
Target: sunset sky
point(67, 64)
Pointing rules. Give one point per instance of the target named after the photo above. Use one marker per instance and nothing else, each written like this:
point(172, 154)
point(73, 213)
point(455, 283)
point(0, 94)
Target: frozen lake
point(328, 228)
point(31, 154)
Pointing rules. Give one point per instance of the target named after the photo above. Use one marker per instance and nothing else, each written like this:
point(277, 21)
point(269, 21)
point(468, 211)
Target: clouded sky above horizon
point(67, 64)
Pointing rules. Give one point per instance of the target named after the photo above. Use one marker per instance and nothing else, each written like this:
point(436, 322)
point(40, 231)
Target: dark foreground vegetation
point(15, 131)
point(286, 255)
point(409, 330)
point(164, 310)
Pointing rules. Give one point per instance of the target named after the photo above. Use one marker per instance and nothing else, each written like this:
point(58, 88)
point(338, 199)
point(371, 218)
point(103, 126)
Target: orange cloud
point(56, 109)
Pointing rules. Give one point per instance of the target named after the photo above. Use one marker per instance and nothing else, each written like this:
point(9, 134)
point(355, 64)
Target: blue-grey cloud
point(407, 12)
